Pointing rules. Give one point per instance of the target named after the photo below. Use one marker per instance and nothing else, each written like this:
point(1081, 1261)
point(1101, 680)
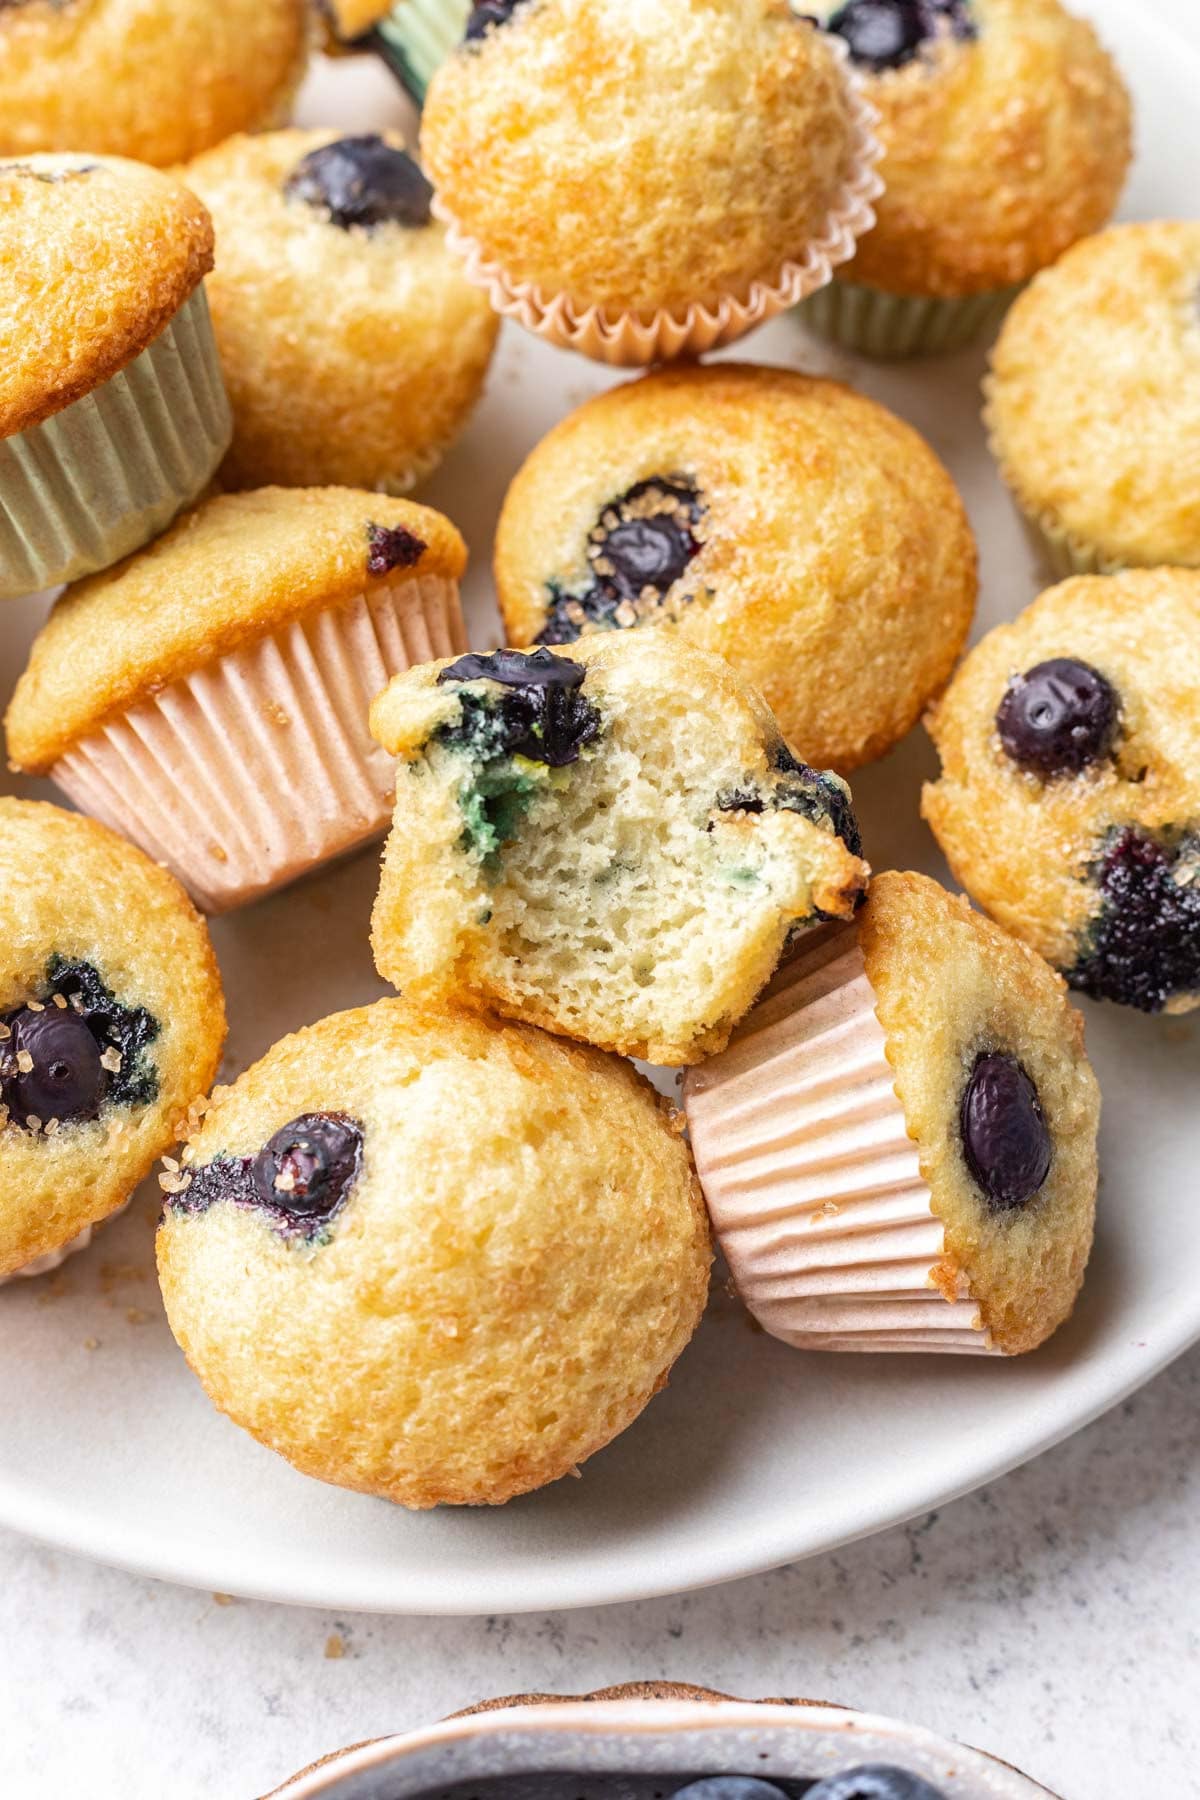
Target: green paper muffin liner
point(96, 481)
point(874, 323)
point(416, 38)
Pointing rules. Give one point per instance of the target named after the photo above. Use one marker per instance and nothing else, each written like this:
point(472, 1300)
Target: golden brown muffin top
point(96, 258)
point(227, 574)
point(523, 1254)
point(950, 986)
point(352, 355)
point(832, 561)
point(158, 80)
point(999, 152)
point(1094, 396)
point(1027, 845)
point(72, 892)
point(642, 157)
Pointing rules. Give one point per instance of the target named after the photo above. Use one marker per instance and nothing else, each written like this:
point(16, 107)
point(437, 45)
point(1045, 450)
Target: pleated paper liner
point(628, 340)
point(813, 1183)
point(254, 770)
point(416, 37)
point(892, 326)
point(98, 480)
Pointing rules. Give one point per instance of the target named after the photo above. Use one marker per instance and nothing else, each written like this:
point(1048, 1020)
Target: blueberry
point(1005, 1137)
point(392, 547)
point(1058, 718)
point(50, 1067)
point(886, 34)
point(639, 547)
point(130, 1030)
point(488, 15)
point(543, 716)
point(817, 795)
point(1145, 945)
point(875, 1781)
point(307, 1169)
point(731, 1787)
point(362, 181)
point(649, 553)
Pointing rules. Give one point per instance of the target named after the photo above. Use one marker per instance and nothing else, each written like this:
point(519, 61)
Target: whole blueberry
point(1058, 717)
point(875, 1781)
point(1005, 1137)
point(650, 553)
point(882, 34)
point(362, 181)
point(731, 1787)
point(307, 1169)
point(67, 1080)
point(487, 15)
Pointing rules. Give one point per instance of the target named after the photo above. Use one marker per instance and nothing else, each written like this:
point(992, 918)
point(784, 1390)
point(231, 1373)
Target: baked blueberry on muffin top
point(1069, 801)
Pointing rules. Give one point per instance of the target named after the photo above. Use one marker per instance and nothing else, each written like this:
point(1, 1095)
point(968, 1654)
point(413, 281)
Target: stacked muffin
point(627, 832)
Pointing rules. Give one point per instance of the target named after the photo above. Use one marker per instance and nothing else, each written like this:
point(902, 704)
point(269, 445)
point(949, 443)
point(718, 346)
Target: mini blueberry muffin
point(787, 523)
point(209, 697)
point(112, 1023)
point(113, 415)
point(1094, 401)
point(353, 346)
point(898, 1148)
point(614, 845)
point(638, 182)
point(490, 1244)
point(1069, 799)
point(1006, 136)
point(156, 80)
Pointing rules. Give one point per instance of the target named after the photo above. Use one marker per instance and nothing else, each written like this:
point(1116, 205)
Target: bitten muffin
point(209, 697)
point(787, 523)
point(898, 1149)
point(157, 80)
point(1069, 799)
point(489, 1244)
point(112, 411)
point(1006, 136)
point(614, 845)
point(642, 162)
point(1094, 401)
point(353, 347)
point(112, 1023)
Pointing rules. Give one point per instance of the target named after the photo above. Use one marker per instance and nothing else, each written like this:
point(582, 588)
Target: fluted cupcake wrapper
point(254, 770)
point(813, 1183)
point(417, 36)
point(98, 480)
point(874, 323)
point(629, 340)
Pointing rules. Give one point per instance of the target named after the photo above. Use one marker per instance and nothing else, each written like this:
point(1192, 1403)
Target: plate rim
point(738, 1553)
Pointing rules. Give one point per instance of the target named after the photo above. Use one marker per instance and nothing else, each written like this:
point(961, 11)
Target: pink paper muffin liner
point(627, 340)
point(252, 771)
point(813, 1183)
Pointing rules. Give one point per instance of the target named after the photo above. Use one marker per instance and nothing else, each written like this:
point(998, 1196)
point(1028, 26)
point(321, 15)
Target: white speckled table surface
point(1053, 1618)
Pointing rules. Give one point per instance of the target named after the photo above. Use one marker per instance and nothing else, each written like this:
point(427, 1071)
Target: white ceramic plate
point(756, 1455)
